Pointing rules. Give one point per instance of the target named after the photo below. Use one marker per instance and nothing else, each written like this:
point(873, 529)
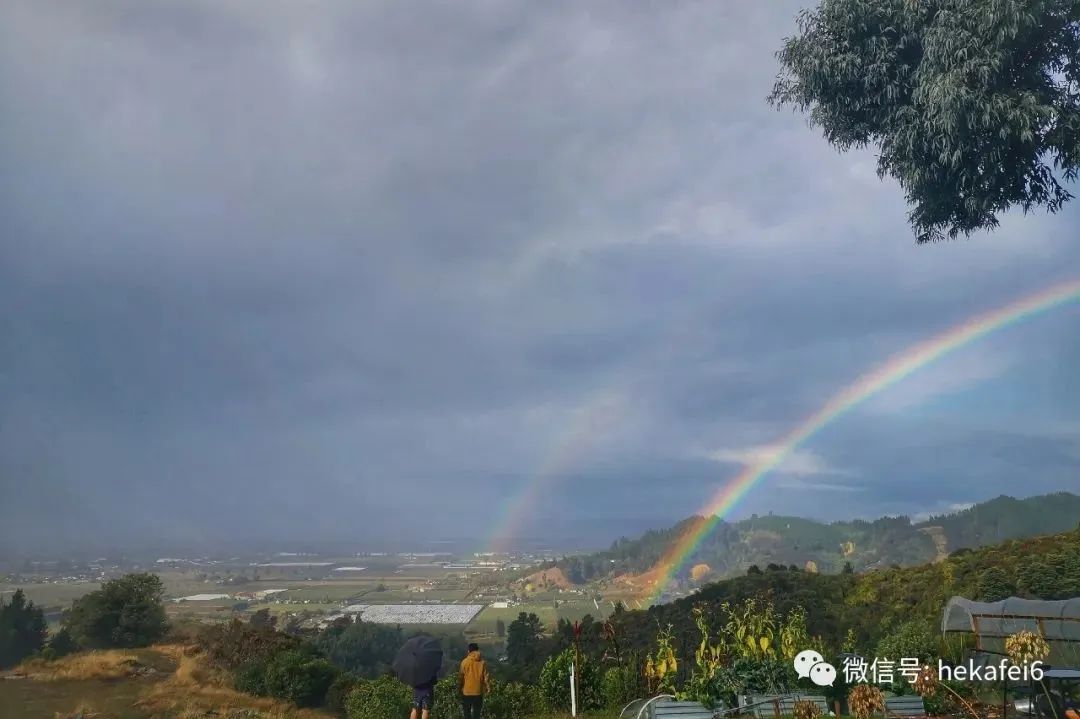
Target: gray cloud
point(283, 271)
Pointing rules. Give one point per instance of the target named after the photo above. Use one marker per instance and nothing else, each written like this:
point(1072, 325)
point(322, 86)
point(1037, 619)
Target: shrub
point(865, 700)
point(807, 710)
point(911, 639)
point(299, 677)
point(250, 678)
point(619, 686)
point(511, 700)
point(555, 683)
point(62, 643)
point(234, 644)
point(338, 692)
point(378, 699)
point(448, 699)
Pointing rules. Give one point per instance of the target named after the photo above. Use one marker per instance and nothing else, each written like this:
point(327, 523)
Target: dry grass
point(165, 680)
point(195, 690)
point(109, 664)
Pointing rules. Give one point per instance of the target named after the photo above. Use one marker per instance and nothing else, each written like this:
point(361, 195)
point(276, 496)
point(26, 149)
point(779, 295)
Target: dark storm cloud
point(280, 271)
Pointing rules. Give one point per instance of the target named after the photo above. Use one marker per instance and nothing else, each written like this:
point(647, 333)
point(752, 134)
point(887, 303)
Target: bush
point(379, 699)
point(448, 699)
point(555, 683)
point(125, 612)
point(911, 639)
point(62, 643)
point(250, 678)
point(339, 690)
point(299, 677)
point(512, 700)
point(620, 686)
point(507, 700)
point(234, 644)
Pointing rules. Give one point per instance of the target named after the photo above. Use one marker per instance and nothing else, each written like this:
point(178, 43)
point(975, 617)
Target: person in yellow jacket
point(474, 682)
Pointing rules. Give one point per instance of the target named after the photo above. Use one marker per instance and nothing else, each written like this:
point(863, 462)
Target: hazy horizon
point(283, 273)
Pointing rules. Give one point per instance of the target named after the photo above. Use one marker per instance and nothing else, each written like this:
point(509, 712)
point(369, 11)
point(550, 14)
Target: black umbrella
point(418, 662)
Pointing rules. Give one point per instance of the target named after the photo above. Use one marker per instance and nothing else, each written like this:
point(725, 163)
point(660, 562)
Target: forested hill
point(1007, 518)
point(781, 541)
point(868, 607)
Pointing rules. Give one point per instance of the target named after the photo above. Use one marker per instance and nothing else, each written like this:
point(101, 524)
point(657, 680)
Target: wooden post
point(776, 707)
point(836, 706)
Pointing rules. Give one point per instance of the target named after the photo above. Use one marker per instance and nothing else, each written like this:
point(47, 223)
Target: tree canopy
point(125, 612)
point(974, 105)
point(22, 629)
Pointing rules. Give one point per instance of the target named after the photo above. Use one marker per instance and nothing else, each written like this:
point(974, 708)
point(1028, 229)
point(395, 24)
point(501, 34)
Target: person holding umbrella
point(417, 664)
point(473, 682)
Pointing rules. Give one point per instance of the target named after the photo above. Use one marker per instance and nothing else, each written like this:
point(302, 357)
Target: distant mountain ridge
point(730, 549)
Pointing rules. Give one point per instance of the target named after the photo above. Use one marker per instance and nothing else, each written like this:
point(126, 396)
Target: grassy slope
point(162, 681)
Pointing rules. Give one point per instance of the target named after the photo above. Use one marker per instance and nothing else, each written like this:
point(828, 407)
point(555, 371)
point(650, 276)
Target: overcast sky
point(339, 271)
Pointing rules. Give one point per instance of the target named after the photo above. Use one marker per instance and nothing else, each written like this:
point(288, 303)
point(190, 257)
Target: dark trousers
point(470, 706)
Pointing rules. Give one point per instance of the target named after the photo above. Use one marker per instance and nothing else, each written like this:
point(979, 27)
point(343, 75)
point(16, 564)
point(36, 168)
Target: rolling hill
point(730, 549)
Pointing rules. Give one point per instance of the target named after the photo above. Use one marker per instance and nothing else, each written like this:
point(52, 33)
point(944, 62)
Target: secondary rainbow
point(866, 386)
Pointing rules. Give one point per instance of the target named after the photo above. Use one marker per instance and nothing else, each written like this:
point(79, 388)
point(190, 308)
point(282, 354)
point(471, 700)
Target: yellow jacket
point(473, 678)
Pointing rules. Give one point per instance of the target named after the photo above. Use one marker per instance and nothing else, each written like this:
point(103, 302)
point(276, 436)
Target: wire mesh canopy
point(1058, 622)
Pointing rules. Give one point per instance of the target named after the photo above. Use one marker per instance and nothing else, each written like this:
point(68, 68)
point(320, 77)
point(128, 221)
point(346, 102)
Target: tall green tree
point(994, 585)
point(22, 629)
point(973, 105)
point(125, 612)
point(524, 637)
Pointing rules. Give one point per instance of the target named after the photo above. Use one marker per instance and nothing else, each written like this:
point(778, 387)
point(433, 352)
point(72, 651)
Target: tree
point(913, 638)
point(973, 104)
point(22, 629)
point(262, 619)
point(364, 648)
point(1040, 580)
point(523, 638)
point(125, 612)
point(500, 628)
point(994, 585)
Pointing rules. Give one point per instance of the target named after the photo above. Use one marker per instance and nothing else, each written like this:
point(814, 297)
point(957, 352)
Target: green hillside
point(782, 541)
point(875, 603)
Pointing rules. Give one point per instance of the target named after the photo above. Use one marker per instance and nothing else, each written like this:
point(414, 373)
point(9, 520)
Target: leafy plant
point(865, 700)
point(662, 667)
point(806, 710)
point(378, 699)
point(1025, 647)
point(338, 692)
point(250, 678)
point(299, 677)
point(555, 683)
point(620, 685)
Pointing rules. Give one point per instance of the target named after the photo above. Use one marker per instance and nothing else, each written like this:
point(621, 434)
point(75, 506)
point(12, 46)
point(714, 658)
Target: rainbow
point(585, 428)
point(866, 386)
